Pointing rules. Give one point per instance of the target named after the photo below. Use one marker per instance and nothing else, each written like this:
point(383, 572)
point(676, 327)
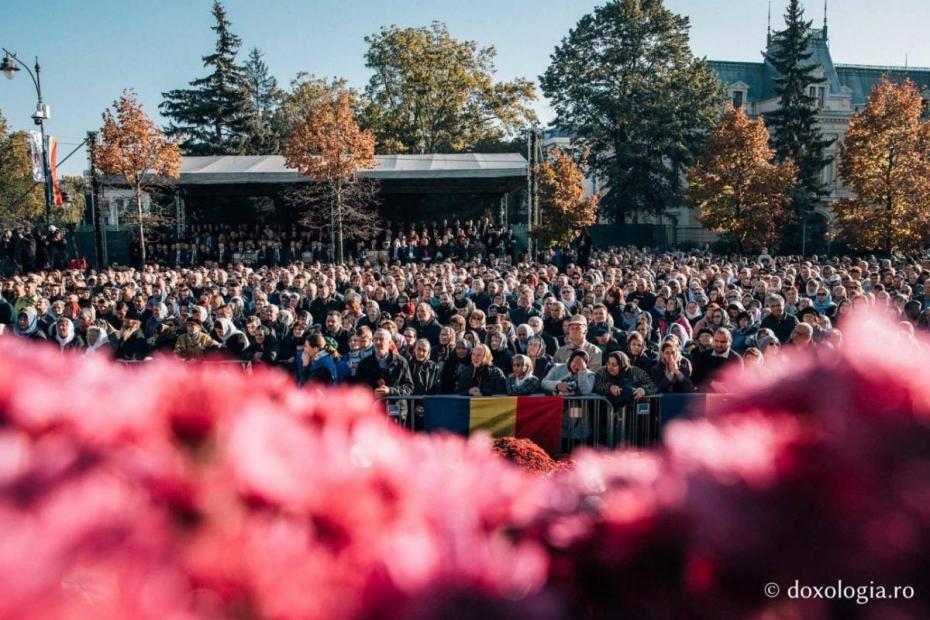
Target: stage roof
point(240, 169)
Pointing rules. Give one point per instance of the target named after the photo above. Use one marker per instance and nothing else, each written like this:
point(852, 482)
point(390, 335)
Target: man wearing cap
point(194, 342)
point(576, 339)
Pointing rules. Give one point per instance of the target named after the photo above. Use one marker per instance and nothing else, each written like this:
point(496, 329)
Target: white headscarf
point(228, 329)
point(63, 342)
point(99, 341)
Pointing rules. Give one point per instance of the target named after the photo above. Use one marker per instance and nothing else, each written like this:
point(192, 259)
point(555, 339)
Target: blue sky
point(91, 49)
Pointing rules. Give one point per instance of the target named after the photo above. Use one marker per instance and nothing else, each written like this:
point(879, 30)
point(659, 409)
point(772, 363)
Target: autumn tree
point(885, 159)
point(212, 117)
point(625, 84)
point(22, 199)
point(737, 188)
point(134, 149)
point(432, 93)
point(327, 146)
point(564, 208)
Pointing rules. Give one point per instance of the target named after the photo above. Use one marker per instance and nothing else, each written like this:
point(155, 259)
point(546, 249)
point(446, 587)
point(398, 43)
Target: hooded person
point(97, 339)
point(27, 324)
point(232, 340)
point(66, 336)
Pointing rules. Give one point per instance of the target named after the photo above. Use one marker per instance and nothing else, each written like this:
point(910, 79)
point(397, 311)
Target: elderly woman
point(482, 378)
point(621, 382)
point(232, 341)
point(97, 340)
point(571, 378)
point(522, 382)
point(264, 349)
point(672, 374)
point(66, 336)
point(27, 325)
point(536, 351)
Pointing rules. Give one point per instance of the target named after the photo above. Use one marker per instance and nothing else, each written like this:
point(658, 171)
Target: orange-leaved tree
point(885, 159)
point(132, 147)
point(327, 146)
point(737, 188)
point(564, 208)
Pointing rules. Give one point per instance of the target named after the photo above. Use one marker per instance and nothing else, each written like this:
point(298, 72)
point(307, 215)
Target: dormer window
point(818, 94)
point(737, 99)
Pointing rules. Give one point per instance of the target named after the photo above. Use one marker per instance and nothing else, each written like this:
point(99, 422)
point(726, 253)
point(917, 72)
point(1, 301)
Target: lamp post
point(9, 67)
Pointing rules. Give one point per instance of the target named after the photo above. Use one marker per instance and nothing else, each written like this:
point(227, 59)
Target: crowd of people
point(625, 325)
point(265, 245)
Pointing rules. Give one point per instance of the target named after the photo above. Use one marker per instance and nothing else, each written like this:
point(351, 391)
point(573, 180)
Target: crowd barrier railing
point(244, 365)
point(585, 420)
point(640, 424)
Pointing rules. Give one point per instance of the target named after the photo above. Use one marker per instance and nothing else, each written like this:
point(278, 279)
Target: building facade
point(751, 86)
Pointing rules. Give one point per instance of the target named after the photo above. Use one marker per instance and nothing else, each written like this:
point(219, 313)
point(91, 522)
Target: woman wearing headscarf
point(622, 383)
point(673, 316)
point(27, 325)
point(521, 381)
point(232, 341)
point(541, 360)
point(97, 340)
point(66, 336)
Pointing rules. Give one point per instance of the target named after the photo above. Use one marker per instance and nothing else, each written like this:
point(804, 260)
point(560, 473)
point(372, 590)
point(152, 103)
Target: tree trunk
point(339, 248)
point(138, 192)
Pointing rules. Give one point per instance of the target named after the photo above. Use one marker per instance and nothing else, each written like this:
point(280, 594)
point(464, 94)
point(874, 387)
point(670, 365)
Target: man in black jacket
point(423, 370)
point(780, 322)
point(709, 365)
point(385, 372)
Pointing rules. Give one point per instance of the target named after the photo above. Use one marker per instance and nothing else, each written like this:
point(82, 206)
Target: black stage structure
point(413, 188)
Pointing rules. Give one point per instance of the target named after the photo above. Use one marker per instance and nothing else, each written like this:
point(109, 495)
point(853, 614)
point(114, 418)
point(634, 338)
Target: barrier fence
point(641, 424)
point(562, 423)
point(244, 365)
point(559, 424)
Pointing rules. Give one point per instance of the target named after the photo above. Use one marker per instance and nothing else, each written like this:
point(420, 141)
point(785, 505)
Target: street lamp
point(9, 67)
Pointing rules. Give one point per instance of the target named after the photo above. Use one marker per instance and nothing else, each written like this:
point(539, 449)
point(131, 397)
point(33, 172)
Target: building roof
point(234, 169)
point(760, 76)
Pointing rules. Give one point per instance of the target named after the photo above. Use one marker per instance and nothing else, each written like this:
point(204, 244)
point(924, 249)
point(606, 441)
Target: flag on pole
point(53, 169)
point(34, 138)
point(538, 418)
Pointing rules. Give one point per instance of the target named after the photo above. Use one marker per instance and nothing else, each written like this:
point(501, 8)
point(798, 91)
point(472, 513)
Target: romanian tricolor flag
point(538, 418)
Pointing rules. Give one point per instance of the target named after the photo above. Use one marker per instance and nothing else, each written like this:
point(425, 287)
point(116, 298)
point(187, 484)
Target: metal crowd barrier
point(244, 365)
point(586, 420)
point(641, 424)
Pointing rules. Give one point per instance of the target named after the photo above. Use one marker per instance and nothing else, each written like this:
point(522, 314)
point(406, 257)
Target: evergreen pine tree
point(265, 99)
point(212, 117)
point(794, 128)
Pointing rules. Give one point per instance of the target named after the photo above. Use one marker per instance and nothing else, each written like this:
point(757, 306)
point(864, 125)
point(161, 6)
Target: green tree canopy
point(794, 127)
point(212, 117)
point(431, 93)
point(22, 200)
point(625, 85)
point(265, 98)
